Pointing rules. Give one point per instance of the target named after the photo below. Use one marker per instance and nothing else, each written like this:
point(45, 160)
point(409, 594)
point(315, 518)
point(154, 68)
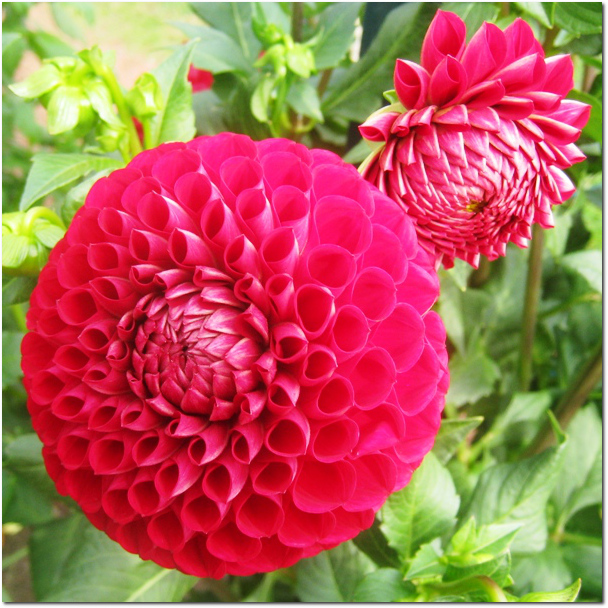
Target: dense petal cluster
point(476, 148)
point(231, 359)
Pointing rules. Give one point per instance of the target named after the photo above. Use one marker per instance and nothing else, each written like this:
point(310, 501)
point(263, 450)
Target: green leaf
point(581, 481)
point(17, 290)
point(260, 99)
point(175, 121)
point(451, 434)
point(593, 128)
point(52, 171)
point(15, 248)
point(382, 585)
point(538, 10)
point(427, 563)
point(48, 234)
point(304, 99)
point(355, 93)
point(423, 510)
point(585, 562)
point(234, 19)
point(471, 378)
point(46, 45)
point(579, 18)
point(9, 42)
point(452, 311)
point(374, 544)
point(337, 27)
point(64, 109)
point(28, 505)
point(525, 410)
point(472, 13)
point(569, 594)
point(43, 80)
point(74, 562)
point(331, 576)
point(215, 52)
point(517, 493)
point(11, 356)
point(588, 264)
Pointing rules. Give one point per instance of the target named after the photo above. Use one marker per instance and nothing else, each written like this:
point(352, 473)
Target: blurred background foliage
point(509, 503)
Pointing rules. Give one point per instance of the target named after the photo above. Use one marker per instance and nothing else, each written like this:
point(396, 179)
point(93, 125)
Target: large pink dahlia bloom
point(231, 359)
point(475, 148)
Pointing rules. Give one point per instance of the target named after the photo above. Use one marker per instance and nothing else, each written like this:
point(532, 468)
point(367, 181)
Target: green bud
point(27, 239)
point(300, 60)
point(101, 101)
point(274, 56)
point(113, 137)
point(145, 99)
point(46, 79)
point(68, 108)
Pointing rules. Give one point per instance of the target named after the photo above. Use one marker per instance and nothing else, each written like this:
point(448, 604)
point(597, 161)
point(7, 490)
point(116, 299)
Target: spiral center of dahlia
point(192, 349)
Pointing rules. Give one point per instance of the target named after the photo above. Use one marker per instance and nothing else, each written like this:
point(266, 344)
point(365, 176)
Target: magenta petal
point(331, 266)
point(559, 74)
point(203, 514)
point(260, 516)
point(485, 53)
point(292, 207)
point(521, 41)
point(167, 531)
point(321, 487)
point(188, 250)
point(446, 36)
point(402, 335)
point(314, 306)
point(448, 82)
point(230, 544)
point(415, 388)
point(378, 127)
point(279, 251)
point(289, 436)
point(373, 378)
point(302, 529)
point(376, 478)
point(573, 113)
point(374, 293)
point(334, 440)
point(411, 83)
point(341, 221)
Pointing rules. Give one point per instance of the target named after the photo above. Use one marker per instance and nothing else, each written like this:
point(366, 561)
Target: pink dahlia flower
point(231, 359)
point(475, 148)
point(201, 80)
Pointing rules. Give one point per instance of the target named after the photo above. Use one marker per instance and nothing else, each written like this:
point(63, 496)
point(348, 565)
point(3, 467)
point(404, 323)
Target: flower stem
point(275, 121)
point(477, 583)
point(480, 275)
point(533, 284)
point(19, 316)
point(324, 81)
point(121, 105)
point(297, 15)
point(574, 398)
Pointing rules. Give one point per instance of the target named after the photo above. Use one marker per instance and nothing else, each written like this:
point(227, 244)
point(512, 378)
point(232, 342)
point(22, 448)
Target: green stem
point(19, 316)
point(324, 81)
point(13, 558)
point(533, 284)
point(40, 212)
point(480, 275)
point(279, 103)
point(578, 539)
point(588, 297)
point(123, 109)
point(574, 398)
point(297, 15)
point(478, 583)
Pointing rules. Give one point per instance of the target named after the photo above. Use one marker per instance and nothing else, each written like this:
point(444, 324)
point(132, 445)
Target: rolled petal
point(411, 84)
point(446, 36)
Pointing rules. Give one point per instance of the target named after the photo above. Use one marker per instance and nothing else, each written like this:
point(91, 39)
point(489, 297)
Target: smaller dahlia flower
point(201, 80)
point(232, 360)
point(474, 150)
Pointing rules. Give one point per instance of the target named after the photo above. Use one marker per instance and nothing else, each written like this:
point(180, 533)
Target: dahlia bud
point(476, 141)
point(145, 99)
point(232, 358)
point(27, 239)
